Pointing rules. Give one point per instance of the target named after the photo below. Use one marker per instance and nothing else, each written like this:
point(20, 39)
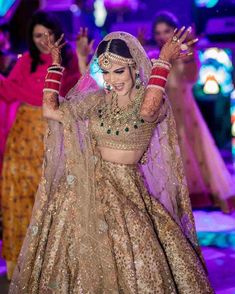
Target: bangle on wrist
point(162, 63)
point(53, 79)
point(55, 67)
point(158, 77)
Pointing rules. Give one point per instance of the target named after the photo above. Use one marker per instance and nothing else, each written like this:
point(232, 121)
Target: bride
point(112, 213)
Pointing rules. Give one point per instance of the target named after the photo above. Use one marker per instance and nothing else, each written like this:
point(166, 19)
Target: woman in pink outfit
point(24, 149)
point(7, 111)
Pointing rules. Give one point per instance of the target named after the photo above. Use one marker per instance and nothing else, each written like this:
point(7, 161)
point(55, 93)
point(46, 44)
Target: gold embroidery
point(124, 129)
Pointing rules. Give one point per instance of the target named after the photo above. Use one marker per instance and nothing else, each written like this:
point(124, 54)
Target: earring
point(137, 80)
point(107, 86)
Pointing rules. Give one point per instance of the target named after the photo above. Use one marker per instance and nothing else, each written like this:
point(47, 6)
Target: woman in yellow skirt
point(24, 149)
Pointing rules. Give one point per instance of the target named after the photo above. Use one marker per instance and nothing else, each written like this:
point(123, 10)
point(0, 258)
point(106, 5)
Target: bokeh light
point(206, 3)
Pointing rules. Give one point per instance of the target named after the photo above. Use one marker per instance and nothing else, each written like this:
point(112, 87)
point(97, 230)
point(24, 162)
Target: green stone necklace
point(117, 119)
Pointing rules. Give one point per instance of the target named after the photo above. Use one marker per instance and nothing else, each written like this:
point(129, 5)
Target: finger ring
point(175, 39)
point(184, 47)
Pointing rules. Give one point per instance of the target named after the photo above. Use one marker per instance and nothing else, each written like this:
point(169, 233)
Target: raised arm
point(153, 100)
point(84, 49)
point(53, 80)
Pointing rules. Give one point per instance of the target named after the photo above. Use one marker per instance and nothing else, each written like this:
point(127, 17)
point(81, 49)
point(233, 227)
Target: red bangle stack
point(159, 74)
point(53, 79)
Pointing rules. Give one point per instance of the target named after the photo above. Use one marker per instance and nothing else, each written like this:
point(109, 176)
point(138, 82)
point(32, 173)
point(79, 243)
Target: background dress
point(24, 149)
point(209, 181)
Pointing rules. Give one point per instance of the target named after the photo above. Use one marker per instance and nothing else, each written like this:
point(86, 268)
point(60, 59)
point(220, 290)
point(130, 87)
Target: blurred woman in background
point(208, 179)
point(24, 149)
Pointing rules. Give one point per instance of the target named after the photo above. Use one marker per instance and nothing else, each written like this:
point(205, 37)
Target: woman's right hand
point(54, 48)
point(84, 47)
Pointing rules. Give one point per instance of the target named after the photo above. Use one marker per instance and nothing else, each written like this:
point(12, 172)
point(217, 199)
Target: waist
point(126, 157)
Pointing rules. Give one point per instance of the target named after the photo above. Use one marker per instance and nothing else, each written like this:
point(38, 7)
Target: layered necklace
point(117, 119)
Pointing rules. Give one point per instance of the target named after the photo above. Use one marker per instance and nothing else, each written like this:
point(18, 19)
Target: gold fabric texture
point(95, 228)
point(133, 132)
point(21, 175)
point(148, 252)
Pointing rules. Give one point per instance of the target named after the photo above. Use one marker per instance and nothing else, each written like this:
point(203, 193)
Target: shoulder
point(24, 58)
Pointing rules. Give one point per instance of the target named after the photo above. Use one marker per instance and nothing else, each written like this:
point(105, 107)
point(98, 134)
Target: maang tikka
point(107, 58)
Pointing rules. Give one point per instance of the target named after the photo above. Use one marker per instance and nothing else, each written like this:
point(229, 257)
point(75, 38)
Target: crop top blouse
point(128, 131)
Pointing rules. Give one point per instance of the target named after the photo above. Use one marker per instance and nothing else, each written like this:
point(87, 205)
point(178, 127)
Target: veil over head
point(69, 169)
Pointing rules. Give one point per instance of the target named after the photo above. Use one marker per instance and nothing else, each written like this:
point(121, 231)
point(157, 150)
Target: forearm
point(82, 63)
point(50, 102)
point(153, 99)
point(51, 92)
point(151, 105)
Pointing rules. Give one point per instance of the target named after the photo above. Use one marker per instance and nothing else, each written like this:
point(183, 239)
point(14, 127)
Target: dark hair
point(117, 46)
point(165, 17)
point(51, 22)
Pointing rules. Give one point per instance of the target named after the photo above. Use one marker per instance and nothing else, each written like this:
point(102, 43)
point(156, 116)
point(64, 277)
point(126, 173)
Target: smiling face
point(120, 78)
point(38, 37)
point(162, 32)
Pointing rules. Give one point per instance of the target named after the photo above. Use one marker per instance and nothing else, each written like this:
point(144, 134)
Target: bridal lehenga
point(104, 227)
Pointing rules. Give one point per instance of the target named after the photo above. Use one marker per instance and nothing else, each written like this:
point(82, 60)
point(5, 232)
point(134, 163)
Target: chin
point(123, 92)
point(43, 51)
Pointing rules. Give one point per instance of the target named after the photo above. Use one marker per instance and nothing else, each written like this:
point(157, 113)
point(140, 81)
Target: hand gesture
point(54, 47)
point(176, 47)
point(84, 47)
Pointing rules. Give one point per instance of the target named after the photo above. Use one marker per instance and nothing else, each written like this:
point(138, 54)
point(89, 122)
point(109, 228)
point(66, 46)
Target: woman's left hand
point(176, 47)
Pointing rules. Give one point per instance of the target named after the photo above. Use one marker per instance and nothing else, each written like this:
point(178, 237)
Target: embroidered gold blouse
point(133, 139)
point(130, 132)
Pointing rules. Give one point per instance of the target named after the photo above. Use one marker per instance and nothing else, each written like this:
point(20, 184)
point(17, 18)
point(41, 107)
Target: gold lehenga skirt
point(150, 252)
point(20, 177)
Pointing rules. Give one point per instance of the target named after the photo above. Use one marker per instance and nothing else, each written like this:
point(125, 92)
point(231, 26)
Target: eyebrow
point(121, 68)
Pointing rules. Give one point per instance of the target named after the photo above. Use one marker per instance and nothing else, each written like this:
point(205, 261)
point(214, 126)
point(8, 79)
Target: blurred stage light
point(5, 6)
point(215, 19)
point(211, 85)
point(100, 13)
point(215, 82)
point(96, 73)
point(215, 75)
point(206, 3)
point(232, 109)
point(121, 4)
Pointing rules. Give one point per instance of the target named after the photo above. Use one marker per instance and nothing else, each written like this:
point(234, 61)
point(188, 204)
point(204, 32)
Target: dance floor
point(216, 233)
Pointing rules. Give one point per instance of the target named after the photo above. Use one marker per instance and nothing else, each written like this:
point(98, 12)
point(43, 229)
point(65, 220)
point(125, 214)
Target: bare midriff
point(121, 156)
